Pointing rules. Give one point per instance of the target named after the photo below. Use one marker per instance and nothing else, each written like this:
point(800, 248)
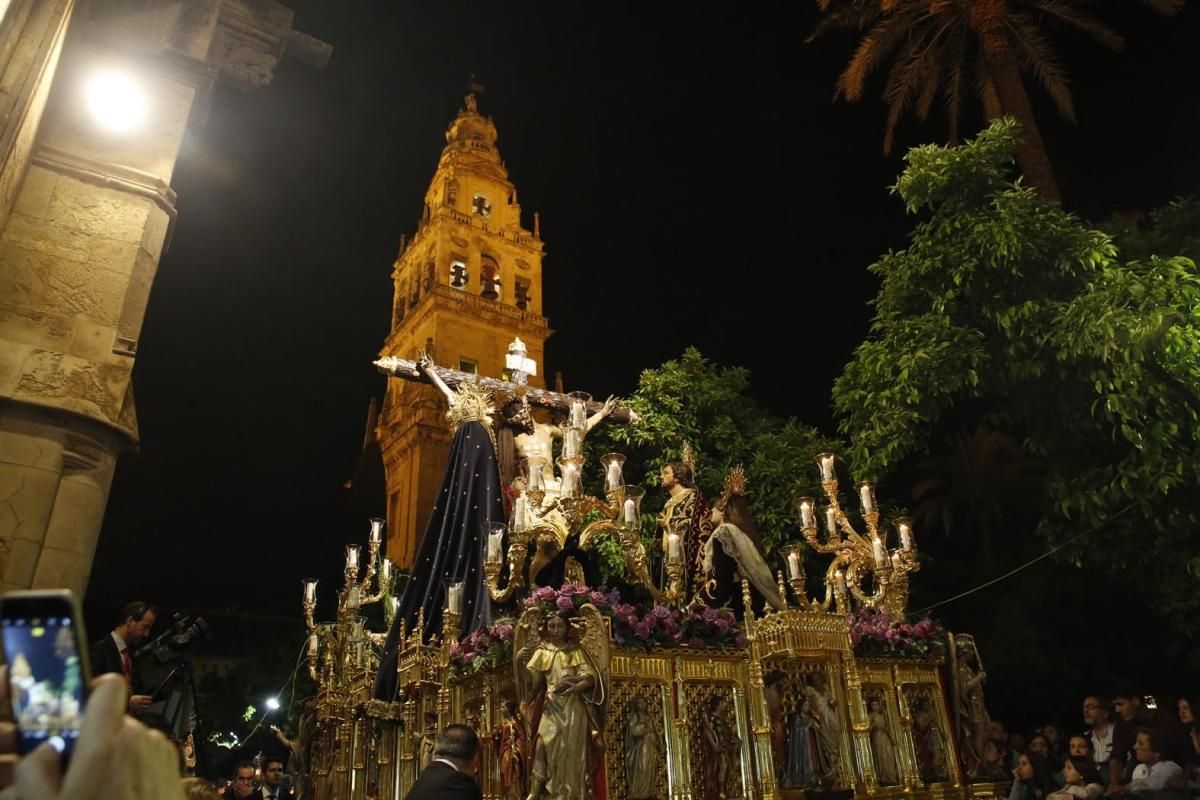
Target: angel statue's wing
point(595, 642)
point(525, 640)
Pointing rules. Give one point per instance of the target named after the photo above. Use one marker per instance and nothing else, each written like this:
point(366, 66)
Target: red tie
point(127, 668)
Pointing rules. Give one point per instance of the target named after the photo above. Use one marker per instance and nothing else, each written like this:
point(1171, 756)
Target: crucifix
point(519, 366)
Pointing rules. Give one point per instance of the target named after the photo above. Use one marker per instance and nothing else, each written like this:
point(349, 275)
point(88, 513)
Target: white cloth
point(1101, 744)
point(121, 646)
point(1152, 777)
point(449, 763)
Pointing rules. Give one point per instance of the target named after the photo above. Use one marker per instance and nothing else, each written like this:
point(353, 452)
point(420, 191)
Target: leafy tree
point(944, 49)
point(710, 406)
point(1006, 311)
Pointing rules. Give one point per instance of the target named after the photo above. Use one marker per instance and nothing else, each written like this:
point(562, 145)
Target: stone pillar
point(78, 256)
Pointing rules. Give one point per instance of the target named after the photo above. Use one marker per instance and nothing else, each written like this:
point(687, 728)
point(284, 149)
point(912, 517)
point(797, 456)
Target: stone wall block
point(91, 340)
point(77, 515)
point(61, 569)
point(26, 499)
point(23, 325)
point(25, 442)
point(75, 384)
point(22, 561)
point(13, 356)
point(34, 198)
point(96, 211)
point(40, 236)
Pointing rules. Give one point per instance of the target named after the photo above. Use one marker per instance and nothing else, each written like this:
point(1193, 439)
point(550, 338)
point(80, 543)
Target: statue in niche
point(821, 708)
point(927, 741)
point(720, 748)
point(561, 665)
point(971, 715)
point(513, 752)
point(883, 745)
point(641, 752)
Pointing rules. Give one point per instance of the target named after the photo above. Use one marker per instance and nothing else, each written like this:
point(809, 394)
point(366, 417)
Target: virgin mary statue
point(452, 547)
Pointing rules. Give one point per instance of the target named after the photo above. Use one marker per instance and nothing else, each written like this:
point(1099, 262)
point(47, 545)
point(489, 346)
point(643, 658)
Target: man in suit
point(450, 776)
point(272, 774)
point(114, 653)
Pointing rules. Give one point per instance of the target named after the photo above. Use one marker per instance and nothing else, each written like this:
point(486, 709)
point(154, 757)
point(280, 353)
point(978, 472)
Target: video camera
point(175, 642)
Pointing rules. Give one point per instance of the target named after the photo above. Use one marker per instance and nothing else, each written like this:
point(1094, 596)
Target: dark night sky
point(697, 187)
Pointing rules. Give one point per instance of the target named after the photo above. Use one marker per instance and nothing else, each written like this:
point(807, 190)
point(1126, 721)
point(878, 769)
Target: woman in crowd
point(1033, 780)
point(1081, 780)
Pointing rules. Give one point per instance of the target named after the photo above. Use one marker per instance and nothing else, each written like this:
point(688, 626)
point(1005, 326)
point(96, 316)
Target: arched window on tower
point(489, 278)
point(458, 273)
point(521, 289)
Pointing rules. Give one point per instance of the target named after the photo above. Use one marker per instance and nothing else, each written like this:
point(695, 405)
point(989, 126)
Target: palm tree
point(983, 483)
point(938, 47)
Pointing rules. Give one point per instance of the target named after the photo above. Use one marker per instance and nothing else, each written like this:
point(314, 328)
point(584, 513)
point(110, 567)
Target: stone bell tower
point(466, 283)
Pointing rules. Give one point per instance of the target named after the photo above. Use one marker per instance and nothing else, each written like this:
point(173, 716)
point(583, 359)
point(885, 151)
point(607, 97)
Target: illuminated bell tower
point(467, 283)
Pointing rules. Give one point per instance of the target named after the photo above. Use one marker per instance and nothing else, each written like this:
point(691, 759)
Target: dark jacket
point(442, 782)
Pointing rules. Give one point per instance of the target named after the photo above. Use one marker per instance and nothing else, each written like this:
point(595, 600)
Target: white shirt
point(1152, 777)
point(1102, 745)
point(450, 763)
point(121, 646)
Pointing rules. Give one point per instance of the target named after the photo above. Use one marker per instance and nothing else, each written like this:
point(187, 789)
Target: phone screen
point(45, 678)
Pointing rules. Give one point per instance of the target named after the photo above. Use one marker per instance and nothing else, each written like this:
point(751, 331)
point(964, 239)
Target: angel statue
point(561, 666)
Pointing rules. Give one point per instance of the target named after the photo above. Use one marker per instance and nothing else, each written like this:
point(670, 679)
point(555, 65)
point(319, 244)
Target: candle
point(352, 598)
point(519, 506)
point(827, 462)
point(310, 591)
point(314, 644)
point(570, 480)
point(896, 561)
point(385, 570)
point(537, 478)
point(878, 552)
point(495, 540)
point(673, 554)
point(578, 414)
point(454, 598)
point(904, 525)
point(572, 442)
point(841, 581)
point(376, 533)
point(831, 528)
point(351, 557)
point(612, 477)
point(631, 520)
point(794, 568)
point(866, 497)
point(808, 520)
point(395, 605)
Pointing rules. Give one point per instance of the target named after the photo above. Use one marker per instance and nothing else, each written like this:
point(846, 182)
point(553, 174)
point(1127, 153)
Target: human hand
point(115, 756)
point(609, 405)
point(139, 702)
point(634, 419)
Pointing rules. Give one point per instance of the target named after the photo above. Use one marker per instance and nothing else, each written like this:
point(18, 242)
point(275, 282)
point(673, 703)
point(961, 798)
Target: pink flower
point(642, 629)
point(721, 624)
point(661, 611)
point(598, 598)
point(740, 641)
point(565, 603)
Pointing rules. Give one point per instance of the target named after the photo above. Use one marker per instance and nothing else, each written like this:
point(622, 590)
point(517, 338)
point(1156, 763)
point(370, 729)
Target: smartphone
point(46, 653)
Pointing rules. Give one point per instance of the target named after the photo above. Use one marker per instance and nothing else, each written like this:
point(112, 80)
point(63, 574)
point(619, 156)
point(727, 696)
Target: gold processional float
point(825, 696)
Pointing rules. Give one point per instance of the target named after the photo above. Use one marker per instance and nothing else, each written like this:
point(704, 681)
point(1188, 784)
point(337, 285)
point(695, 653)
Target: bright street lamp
point(116, 102)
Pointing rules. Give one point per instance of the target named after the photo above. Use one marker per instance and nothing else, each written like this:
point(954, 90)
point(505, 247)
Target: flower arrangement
point(875, 635)
point(484, 648)
point(640, 627)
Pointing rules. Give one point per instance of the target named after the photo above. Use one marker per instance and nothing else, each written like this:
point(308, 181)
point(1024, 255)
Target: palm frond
point(851, 16)
point(1068, 14)
point(956, 53)
point(1036, 55)
point(877, 45)
point(1168, 8)
point(917, 67)
point(986, 90)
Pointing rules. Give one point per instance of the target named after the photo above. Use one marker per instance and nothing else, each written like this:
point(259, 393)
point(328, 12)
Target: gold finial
point(688, 456)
